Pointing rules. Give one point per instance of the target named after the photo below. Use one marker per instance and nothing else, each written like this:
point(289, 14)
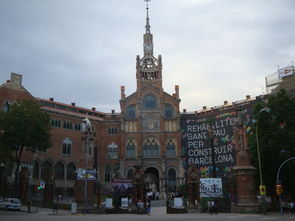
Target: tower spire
point(147, 37)
point(148, 68)
point(147, 26)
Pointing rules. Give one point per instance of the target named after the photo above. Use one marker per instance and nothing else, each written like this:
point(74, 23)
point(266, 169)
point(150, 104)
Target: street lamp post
point(259, 161)
point(278, 181)
point(87, 128)
point(34, 163)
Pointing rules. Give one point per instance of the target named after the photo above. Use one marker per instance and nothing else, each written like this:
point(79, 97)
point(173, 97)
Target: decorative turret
point(148, 68)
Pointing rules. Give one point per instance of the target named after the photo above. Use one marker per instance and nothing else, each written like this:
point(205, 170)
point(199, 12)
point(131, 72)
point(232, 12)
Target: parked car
point(10, 204)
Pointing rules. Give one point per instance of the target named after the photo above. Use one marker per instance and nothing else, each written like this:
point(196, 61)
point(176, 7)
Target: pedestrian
point(290, 206)
point(157, 195)
point(213, 208)
point(209, 206)
point(137, 206)
point(55, 208)
point(148, 209)
point(293, 206)
point(29, 206)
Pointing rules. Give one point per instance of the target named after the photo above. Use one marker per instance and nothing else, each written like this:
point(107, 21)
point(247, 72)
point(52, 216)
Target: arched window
point(67, 146)
point(171, 150)
point(171, 180)
point(71, 168)
point(130, 149)
point(168, 111)
point(36, 170)
point(113, 151)
point(151, 148)
point(46, 169)
point(150, 102)
point(130, 112)
point(59, 171)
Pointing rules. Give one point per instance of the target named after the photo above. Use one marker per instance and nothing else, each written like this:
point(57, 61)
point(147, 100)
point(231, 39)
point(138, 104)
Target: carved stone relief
point(151, 122)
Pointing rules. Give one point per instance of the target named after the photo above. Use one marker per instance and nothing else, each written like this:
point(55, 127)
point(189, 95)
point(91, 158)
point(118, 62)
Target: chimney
point(123, 92)
point(113, 111)
point(204, 107)
point(176, 91)
point(51, 99)
point(73, 104)
point(248, 97)
point(184, 110)
point(16, 78)
point(93, 108)
point(225, 103)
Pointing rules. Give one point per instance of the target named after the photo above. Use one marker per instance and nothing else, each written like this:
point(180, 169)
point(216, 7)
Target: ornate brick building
point(147, 132)
point(67, 152)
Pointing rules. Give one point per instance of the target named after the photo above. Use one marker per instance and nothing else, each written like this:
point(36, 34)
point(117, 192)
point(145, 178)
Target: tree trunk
point(16, 173)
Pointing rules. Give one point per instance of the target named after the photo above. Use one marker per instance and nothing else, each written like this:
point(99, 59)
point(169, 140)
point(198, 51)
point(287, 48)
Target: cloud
point(77, 51)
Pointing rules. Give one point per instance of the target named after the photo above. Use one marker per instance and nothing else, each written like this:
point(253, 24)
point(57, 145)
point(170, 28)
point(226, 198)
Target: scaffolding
point(273, 80)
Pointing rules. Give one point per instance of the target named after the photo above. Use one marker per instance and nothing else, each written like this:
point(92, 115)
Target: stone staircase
point(158, 207)
point(158, 203)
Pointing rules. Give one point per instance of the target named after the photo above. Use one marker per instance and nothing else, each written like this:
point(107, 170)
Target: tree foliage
point(275, 132)
point(24, 127)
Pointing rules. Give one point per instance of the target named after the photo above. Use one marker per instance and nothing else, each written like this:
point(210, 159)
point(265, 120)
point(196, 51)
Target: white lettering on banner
point(199, 144)
point(207, 151)
point(195, 144)
point(219, 132)
point(197, 136)
point(202, 161)
point(197, 128)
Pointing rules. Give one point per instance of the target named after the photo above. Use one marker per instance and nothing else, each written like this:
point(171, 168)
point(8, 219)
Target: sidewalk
point(46, 211)
point(156, 211)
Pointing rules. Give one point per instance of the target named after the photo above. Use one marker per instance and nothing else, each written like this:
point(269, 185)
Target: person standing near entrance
point(148, 208)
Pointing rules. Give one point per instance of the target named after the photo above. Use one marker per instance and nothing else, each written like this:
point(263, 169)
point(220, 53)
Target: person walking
point(148, 209)
point(213, 208)
point(29, 206)
point(209, 206)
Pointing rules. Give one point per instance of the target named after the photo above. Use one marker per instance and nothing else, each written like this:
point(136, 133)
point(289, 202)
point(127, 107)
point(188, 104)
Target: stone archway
point(151, 180)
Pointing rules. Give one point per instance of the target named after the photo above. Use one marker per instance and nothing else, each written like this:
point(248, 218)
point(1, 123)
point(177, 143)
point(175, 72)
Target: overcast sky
point(83, 50)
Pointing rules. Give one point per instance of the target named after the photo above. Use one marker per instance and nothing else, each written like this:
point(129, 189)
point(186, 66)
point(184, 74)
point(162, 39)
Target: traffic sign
point(262, 189)
point(41, 185)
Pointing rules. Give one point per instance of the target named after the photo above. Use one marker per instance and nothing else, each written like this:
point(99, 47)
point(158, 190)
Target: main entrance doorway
point(151, 182)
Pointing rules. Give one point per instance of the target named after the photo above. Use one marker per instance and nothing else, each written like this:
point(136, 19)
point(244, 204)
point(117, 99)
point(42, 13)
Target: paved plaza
point(157, 214)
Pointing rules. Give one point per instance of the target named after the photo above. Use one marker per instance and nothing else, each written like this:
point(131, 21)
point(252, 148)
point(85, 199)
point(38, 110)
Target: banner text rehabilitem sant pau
point(197, 144)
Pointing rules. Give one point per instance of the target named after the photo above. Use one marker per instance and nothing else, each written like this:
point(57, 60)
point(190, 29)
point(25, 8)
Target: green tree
point(275, 127)
point(24, 127)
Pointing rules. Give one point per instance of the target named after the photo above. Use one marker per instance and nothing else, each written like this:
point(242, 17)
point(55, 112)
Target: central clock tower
point(150, 129)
